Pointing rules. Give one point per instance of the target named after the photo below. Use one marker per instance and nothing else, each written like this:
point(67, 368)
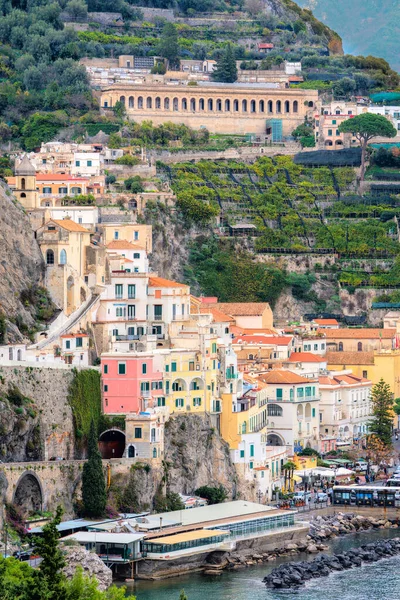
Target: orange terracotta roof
point(364, 333)
point(241, 309)
point(74, 335)
point(343, 379)
point(326, 321)
point(296, 357)
point(70, 225)
point(123, 245)
point(280, 376)
point(267, 340)
point(218, 316)
point(350, 358)
point(244, 331)
point(161, 282)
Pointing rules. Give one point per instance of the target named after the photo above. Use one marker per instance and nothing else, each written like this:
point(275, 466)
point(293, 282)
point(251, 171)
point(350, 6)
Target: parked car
point(302, 496)
point(321, 497)
point(361, 466)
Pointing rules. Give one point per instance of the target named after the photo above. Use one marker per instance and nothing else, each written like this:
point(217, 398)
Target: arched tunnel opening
point(112, 443)
point(28, 495)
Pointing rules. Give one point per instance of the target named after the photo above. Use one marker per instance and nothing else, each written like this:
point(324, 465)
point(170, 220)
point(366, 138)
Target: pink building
point(131, 382)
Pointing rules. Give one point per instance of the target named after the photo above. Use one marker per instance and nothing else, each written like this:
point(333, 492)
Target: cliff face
point(35, 417)
point(21, 264)
point(197, 455)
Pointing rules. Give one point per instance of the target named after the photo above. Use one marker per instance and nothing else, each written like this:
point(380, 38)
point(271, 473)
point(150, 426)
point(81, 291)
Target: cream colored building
point(221, 108)
point(131, 232)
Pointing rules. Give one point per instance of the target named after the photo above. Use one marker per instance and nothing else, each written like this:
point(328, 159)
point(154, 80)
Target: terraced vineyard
point(287, 207)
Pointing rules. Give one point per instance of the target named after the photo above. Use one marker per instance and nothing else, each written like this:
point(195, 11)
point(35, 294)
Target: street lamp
point(259, 496)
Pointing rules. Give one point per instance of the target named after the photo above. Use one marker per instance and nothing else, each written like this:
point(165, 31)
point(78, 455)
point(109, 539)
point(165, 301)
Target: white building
point(345, 406)
point(88, 216)
point(135, 255)
point(314, 344)
point(307, 364)
point(391, 112)
point(293, 410)
point(86, 163)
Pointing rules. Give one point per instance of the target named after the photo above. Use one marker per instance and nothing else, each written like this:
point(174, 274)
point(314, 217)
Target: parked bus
point(354, 495)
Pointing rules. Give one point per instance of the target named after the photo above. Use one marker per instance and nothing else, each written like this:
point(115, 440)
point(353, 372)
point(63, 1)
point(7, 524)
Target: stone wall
point(298, 263)
point(163, 13)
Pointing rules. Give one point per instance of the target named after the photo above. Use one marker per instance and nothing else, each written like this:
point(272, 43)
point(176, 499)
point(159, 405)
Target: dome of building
point(25, 167)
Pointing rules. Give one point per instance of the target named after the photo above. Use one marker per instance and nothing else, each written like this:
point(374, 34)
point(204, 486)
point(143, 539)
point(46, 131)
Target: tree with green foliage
point(381, 425)
point(48, 548)
point(84, 397)
point(94, 496)
point(226, 71)
point(365, 127)
point(182, 595)
point(168, 47)
point(77, 9)
point(213, 495)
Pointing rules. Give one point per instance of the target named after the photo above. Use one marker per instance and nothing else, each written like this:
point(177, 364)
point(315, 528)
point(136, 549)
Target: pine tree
point(94, 495)
point(48, 548)
point(382, 410)
point(226, 71)
point(168, 46)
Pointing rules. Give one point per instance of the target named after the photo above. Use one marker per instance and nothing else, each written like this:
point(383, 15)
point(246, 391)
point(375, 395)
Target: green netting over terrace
point(385, 97)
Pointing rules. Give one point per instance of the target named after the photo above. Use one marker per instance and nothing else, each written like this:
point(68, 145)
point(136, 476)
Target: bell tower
point(25, 184)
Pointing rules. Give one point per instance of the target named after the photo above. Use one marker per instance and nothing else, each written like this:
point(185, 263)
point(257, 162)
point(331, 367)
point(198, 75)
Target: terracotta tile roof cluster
point(218, 316)
point(266, 340)
point(326, 321)
point(70, 225)
point(350, 358)
point(241, 309)
point(123, 245)
point(362, 334)
point(243, 331)
point(307, 357)
point(74, 335)
point(342, 380)
point(167, 283)
point(281, 377)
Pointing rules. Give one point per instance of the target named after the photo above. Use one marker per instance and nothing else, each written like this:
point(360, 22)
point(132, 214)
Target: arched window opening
point(227, 105)
point(340, 346)
point(140, 102)
point(23, 183)
point(270, 107)
point(166, 103)
point(244, 105)
point(201, 104)
point(287, 107)
point(184, 104)
point(63, 257)
point(210, 104)
point(149, 102)
point(122, 100)
point(158, 102)
point(219, 105)
point(359, 346)
point(193, 104)
point(261, 106)
point(278, 106)
point(236, 106)
point(175, 104)
point(295, 106)
point(253, 106)
point(131, 102)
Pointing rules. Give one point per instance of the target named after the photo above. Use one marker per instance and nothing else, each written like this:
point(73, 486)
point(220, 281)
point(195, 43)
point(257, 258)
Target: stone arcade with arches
point(220, 108)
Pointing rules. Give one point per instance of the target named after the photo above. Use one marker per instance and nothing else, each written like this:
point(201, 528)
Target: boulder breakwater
point(296, 574)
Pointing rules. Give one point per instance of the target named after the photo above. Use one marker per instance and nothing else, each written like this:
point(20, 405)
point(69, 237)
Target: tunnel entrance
point(112, 443)
point(28, 494)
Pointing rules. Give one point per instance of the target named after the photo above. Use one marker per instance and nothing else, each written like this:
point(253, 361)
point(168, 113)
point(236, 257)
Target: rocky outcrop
point(35, 416)
point(21, 264)
point(92, 565)
point(329, 526)
point(197, 455)
point(293, 575)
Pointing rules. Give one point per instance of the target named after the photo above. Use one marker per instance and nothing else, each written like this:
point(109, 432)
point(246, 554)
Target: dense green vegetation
point(85, 400)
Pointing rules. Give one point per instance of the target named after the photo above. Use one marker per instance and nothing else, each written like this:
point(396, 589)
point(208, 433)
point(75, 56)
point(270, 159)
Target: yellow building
point(132, 232)
point(372, 365)
point(191, 380)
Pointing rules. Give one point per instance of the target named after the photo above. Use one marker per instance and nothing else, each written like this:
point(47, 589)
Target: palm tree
point(288, 470)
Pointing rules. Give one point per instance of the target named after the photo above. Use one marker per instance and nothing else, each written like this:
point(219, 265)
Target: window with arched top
point(149, 102)
point(201, 104)
point(340, 346)
point(253, 106)
point(184, 104)
point(131, 102)
point(175, 104)
point(227, 105)
point(359, 346)
point(210, 104)
point(166, 103)
point(158, 102)
point(154, 452)
point(278, 106)
point(63, 257)
point(236, 106)
point(122, 100)
point(295, 106)
point(274, 410)
point(140, 102)
point(244, 105)
point(23, 183)
point(287, 106)
point(261, 106)
point(270, 107)
point(193, 104)
point(50, 257)
point(219, 105)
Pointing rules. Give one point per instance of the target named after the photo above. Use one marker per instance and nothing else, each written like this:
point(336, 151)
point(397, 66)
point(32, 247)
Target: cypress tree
point(94, 495)
point(226, 71)
point(47, 546)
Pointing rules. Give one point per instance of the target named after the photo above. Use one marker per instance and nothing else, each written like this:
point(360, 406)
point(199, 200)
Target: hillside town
point(199, 299)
